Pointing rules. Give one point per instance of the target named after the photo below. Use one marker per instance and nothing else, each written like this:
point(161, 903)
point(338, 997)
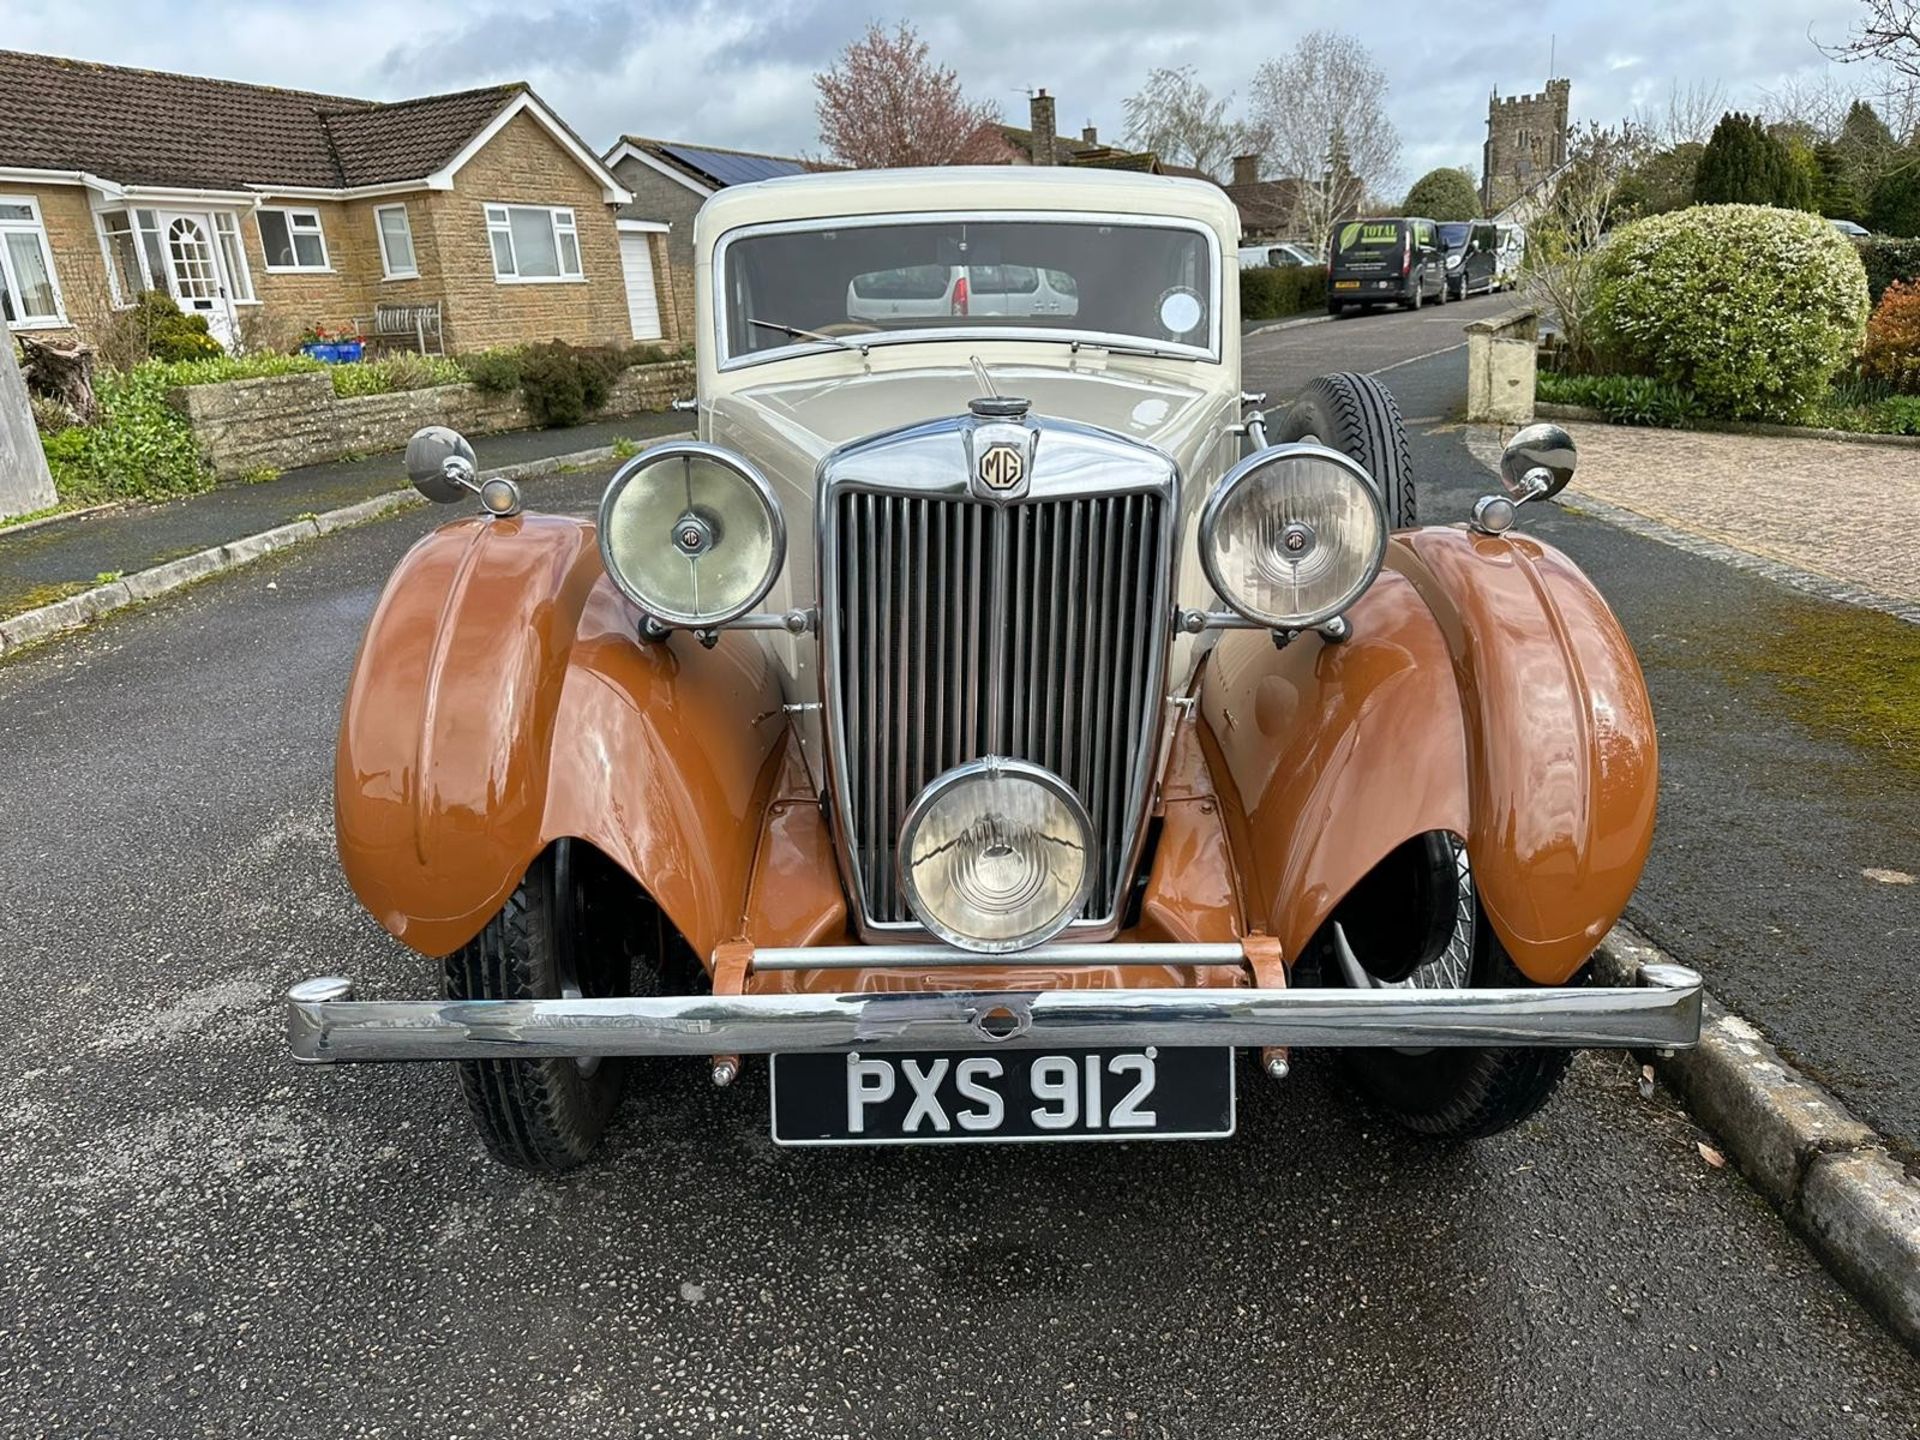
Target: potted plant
point(334, 346)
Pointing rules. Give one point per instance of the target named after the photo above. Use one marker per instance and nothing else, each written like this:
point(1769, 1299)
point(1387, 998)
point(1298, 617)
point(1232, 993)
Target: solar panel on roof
point(733, 169)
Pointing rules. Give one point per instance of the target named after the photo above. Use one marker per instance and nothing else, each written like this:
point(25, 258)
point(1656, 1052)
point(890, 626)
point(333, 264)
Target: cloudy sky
point(737, 72)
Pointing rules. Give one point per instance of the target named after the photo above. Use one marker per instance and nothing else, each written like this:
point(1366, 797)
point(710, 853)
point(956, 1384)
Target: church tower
point(1526, 142)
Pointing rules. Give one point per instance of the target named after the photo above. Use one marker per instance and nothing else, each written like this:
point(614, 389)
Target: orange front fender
point(500, 702)
point(1487, 690)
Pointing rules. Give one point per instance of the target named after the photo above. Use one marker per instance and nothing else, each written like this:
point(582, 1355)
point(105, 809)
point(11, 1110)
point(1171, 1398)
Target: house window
point(29, 294)
point(147, 225)
point(127, 277)
point(233, 257)
point(532, 242)
point(396, 242)
point(292, 240)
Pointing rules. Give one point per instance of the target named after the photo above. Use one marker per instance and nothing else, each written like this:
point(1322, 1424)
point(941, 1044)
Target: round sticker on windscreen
point(1180, 311)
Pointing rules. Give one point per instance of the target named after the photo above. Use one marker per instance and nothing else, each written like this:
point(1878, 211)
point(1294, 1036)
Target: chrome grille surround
point(1035, 625)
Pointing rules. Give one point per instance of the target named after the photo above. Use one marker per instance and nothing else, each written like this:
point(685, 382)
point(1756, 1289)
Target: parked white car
point(1284, 256)
point(921, 292)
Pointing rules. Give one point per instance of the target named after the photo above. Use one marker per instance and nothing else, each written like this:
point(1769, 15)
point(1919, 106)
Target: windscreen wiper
point(1152, 352)
point(794, 332)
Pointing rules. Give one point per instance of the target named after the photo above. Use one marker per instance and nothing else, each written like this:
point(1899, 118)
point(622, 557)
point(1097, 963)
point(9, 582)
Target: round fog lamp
point(1293, 536)
point(692, 534)
point(996, 855)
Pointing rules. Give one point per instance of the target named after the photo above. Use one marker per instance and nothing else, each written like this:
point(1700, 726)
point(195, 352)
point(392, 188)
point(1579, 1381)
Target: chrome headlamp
point(996, 855)
point(692, 534)
point(1293, 536)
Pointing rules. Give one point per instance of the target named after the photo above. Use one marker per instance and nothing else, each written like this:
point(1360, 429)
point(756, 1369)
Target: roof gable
point(151, 128)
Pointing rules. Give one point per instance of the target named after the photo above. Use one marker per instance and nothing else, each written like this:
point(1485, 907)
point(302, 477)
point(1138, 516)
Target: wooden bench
point(416, 325)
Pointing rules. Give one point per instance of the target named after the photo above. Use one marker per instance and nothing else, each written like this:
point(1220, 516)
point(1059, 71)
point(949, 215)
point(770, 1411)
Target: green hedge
point(1888, 260)
point(1751, 310)
point(1269, 293)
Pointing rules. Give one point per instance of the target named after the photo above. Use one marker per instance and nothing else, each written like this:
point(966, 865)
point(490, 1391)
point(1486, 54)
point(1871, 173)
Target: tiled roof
point(1091, 153)
point(410, 138)
point(147, 127)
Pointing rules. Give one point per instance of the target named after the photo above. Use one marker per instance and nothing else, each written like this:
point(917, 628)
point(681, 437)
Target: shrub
point(217, 369)
point(172, 334)
point(141, 448)
point(1751, 310)
point(1892, 351)
point(1888, 259)
point(496, 371)
point(1622, 399)
point(563, 383)
point(1270, 293)
point(402, 371)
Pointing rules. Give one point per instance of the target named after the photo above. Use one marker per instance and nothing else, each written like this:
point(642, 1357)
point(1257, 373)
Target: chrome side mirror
point(1538, 462)
point(1536, 465)
point(441, 465)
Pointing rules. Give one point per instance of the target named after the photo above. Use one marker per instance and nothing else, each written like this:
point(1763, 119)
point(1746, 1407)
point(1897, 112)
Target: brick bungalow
point(671, 180)
point(270, 210)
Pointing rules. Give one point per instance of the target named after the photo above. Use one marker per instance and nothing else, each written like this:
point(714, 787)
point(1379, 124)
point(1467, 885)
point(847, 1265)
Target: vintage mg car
point(993, 718)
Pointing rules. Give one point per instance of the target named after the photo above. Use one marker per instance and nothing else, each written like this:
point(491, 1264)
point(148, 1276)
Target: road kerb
point(1829, 1174)
point(31, 627)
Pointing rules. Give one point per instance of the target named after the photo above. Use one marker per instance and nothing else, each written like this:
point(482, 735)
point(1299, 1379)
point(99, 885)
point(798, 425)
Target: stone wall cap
point(1507, 320)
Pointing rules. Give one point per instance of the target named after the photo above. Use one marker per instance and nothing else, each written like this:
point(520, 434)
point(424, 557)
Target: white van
point(1509, 255)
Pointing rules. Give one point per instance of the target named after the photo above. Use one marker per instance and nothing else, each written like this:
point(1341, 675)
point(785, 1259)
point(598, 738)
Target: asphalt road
point(200, 1239)
point(1390, 342)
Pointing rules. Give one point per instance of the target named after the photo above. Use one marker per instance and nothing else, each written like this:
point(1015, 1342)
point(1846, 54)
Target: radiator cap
point(999, 407)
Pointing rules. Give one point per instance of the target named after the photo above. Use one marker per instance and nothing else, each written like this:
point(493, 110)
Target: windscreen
point(1454, 236)
point(1143, 284)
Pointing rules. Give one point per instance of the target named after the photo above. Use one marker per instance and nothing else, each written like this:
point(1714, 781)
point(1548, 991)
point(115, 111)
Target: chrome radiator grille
point(963, 629)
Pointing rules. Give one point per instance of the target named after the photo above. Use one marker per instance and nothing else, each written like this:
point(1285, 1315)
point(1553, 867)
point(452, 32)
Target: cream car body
point(788, 410)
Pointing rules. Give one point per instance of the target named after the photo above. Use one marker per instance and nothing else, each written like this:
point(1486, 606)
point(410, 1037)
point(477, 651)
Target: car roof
point(968, 188)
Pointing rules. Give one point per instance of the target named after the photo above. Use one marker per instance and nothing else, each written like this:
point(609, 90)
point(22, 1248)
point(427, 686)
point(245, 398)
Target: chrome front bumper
point(325, 1022)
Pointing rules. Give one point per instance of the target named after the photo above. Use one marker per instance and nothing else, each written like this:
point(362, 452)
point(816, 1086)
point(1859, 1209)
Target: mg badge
point(1002, 467)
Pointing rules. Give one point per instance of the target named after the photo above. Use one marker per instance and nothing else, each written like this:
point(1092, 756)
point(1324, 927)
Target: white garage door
point(643, 308)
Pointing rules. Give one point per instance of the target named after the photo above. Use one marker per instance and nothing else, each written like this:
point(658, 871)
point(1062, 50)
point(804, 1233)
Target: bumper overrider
point(325, 1023)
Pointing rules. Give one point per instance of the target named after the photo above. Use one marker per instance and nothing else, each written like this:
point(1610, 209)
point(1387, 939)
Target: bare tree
point(884, 104)
point(1814, 110)
point(1890, 35)
point(1563, 243)
point(1178, 118)
point(1319, 116)
point(1689, 115)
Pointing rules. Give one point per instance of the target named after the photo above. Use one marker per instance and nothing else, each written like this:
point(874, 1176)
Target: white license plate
point(1158, 1092)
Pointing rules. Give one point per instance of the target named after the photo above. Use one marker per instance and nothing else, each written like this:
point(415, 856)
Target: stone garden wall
point(285, 421)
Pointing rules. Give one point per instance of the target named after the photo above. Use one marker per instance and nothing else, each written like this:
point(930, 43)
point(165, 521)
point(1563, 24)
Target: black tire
point(1458, 292)
point(557, 934)
point(1419, 293)
point(1460, 1094)
point(1356, 415)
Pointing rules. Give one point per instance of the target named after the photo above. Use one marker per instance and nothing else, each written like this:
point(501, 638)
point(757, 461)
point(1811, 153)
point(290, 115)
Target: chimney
point(1246, 169)
point(1090, 135)
point(1040, 121)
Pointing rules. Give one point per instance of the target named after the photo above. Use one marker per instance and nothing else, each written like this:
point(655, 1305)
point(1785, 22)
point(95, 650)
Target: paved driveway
point(201, 1239)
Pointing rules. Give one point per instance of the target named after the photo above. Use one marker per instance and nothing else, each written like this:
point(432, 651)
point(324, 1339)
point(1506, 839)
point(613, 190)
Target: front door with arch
point(194, 273)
